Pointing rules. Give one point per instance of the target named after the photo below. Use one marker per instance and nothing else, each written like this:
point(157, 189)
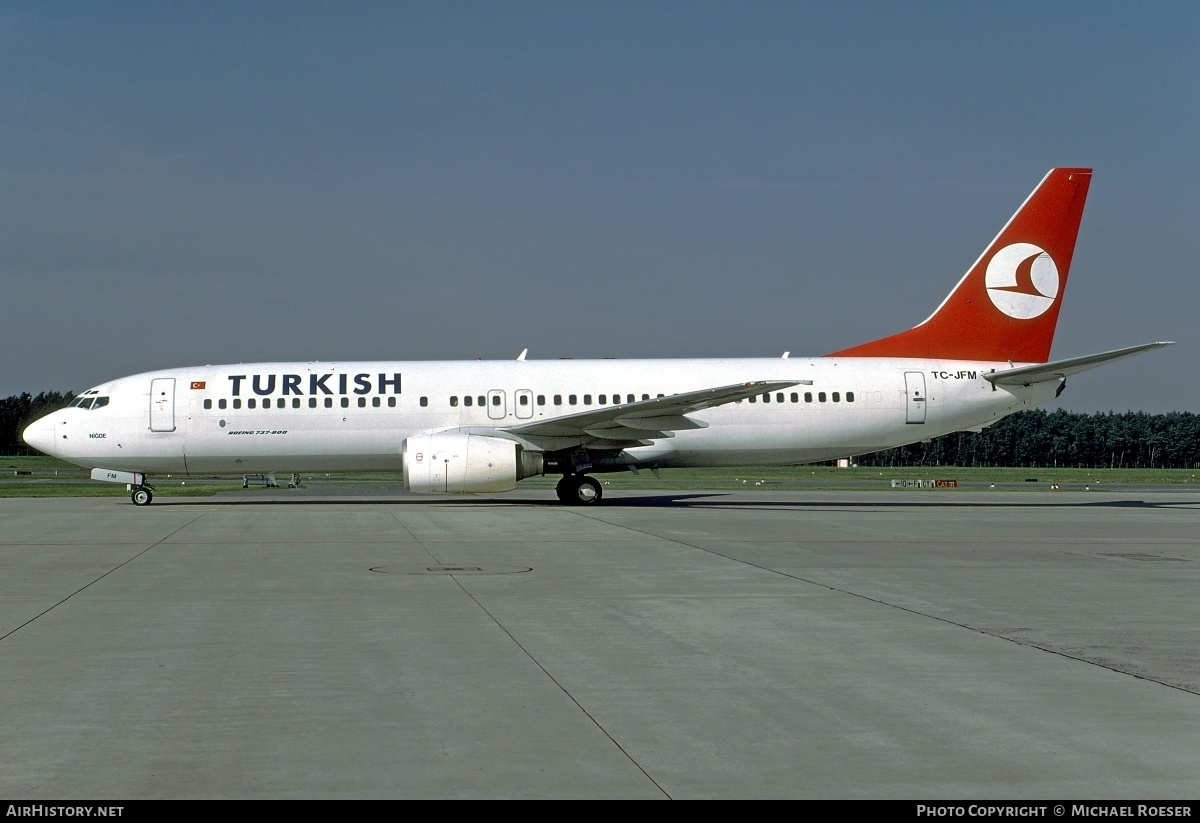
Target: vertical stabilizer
point(1006, 305)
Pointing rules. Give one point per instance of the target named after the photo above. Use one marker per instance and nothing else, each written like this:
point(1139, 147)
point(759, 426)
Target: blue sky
point(219, 182)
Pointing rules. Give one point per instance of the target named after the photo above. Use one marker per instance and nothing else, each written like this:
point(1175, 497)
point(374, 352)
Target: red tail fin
point(1006, 305)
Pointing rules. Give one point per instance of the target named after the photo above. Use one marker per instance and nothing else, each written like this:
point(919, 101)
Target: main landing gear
point(142, 495)
point(579, 490)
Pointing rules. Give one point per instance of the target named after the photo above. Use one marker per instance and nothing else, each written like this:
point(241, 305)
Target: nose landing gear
point(579, 490)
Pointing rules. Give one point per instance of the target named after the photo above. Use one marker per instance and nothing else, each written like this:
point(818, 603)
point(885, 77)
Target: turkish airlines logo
point(1022, 281)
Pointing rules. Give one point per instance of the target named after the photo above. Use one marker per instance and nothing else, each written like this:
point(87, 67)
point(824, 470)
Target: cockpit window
point(101, 402)
point(84, 402)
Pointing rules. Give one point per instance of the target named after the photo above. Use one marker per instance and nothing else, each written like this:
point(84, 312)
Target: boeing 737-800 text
point(482, 426)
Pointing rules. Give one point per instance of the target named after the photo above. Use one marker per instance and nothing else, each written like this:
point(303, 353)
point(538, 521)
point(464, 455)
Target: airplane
point(483, 426)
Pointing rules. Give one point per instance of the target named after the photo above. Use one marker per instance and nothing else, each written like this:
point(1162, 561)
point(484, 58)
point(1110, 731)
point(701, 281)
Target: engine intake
point(456, 462)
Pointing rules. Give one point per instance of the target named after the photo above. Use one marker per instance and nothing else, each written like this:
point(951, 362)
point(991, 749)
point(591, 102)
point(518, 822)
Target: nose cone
point(40, 435)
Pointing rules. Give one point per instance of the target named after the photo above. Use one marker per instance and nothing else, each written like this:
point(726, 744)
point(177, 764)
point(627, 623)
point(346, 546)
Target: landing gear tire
point(564, 488)
point(579, 490)
point(141, 496)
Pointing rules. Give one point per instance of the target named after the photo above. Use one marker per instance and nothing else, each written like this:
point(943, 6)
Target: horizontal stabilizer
point(1059, 369)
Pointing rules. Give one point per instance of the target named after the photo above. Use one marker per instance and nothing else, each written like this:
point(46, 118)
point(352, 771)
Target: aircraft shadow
point(677, 500)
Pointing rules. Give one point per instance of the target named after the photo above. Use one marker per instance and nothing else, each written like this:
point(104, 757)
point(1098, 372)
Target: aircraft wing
point(1059, 369)
point(638, 423)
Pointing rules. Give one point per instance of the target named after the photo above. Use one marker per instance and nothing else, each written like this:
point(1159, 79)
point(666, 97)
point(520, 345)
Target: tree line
point(1028, 439)
point(20, 410)
point(1061, 439)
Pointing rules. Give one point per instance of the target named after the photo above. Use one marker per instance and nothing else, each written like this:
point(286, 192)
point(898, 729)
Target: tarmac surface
point(275, 643)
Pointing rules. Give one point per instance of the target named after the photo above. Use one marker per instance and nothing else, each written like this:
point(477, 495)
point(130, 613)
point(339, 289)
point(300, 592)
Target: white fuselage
point(294, 417)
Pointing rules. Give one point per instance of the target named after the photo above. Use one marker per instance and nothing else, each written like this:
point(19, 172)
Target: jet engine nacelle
point(454, 462)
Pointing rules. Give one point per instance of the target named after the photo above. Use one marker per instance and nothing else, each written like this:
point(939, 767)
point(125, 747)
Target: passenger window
point(629, 398)
point(375, 401)
point(312, 402)
point(495, 400)
point(837, 397)
point(753, 398)
point(849, 397)
point(541, 400)
point(329, 402)
point(523, 400)
point(391, 402)
point(482, 400)
point(795, 397)
point(779, 397)
point(558, 399)
point(603, 399)
point(645, 397)
point(766, 397)
point(424, 401)
point(572, 399)
point(808, 397)
point(587, 400)
point(221, 403)
point(345, 402)
point(251, 403)
point(295, 402)
point(237, 403)
point(362, 402)
point(208, 404)
point(468, 400)
point(453, 401)
point(266, 402)
point(821, 396)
